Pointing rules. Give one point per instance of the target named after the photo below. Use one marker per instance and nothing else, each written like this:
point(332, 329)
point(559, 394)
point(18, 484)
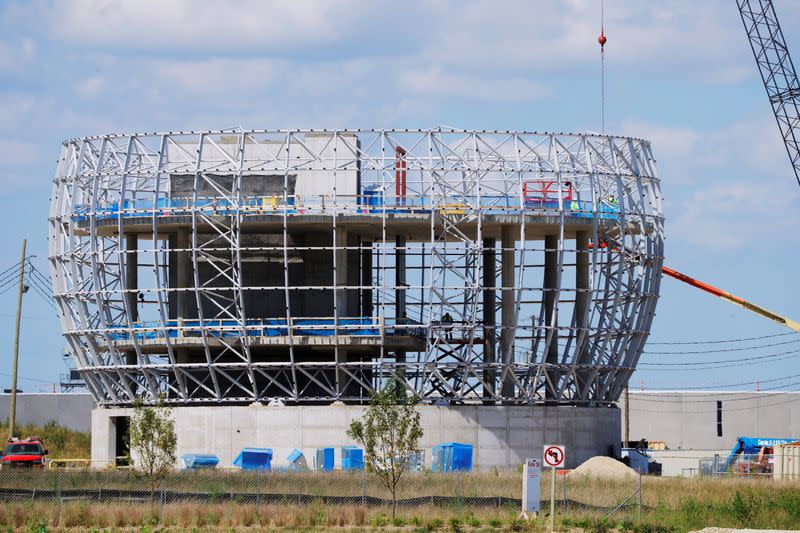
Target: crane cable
point(602, 40)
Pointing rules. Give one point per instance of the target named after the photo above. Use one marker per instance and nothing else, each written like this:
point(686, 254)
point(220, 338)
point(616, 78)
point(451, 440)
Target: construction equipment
point(782, 320)
point(751, 456)
point(777, 71)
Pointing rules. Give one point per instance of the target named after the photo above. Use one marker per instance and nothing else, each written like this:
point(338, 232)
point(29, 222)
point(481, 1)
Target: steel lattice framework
point(777, 71)
point(311, 266)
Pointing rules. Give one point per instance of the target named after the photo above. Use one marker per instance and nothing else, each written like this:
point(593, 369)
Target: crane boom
point(788, 322)
point(766, 313)
point(777, 71)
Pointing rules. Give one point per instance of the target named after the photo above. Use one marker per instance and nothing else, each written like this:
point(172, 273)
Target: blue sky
point(679, 73)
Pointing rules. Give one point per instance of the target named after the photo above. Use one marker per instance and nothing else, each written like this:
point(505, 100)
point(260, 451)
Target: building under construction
point(508, 279)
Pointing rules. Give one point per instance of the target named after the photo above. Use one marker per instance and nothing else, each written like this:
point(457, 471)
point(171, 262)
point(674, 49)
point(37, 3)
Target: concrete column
point(582, 300)
point(366, 278)
point(508, 271)
point(132, 284)
point(184, 272)
point(400, 276)
point(489, 315)
point(400, 290)
point(341, 309)
point(184, 280)
point(549, 301)
point(340, 272)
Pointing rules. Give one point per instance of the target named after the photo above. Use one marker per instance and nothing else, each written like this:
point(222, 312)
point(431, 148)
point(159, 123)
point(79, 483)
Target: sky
point(679, 73)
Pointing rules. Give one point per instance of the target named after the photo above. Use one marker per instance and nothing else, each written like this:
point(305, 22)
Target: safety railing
point(264, 327)
point(367, 204)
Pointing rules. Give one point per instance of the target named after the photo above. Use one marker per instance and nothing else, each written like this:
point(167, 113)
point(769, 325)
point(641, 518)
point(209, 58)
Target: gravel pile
point(603, 467)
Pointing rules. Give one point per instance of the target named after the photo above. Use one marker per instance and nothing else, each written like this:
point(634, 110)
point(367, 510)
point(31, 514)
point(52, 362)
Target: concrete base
point(502, 436)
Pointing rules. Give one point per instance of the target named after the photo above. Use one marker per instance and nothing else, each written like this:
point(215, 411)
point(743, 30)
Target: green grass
point(61, 442)
point(671, 505)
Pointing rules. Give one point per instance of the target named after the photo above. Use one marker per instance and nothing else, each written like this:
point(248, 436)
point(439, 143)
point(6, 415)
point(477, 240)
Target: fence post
point(639, 506)
point(563, 492)
point(161, 502)
point(458, 490)
point(364, 487)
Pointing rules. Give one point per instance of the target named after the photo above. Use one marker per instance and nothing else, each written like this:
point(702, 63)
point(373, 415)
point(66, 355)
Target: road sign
point(554, 455)
point(531, 486)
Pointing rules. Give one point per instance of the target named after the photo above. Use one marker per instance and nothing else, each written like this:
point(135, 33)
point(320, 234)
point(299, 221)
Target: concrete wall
point(688, 420)
point(69, 410)
point(503, 436)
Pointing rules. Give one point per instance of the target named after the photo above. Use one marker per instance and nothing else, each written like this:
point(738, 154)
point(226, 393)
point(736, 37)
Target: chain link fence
point(107, 498)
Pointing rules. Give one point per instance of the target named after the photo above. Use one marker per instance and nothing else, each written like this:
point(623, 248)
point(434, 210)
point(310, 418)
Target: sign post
point(531, 487)
point(554, 458)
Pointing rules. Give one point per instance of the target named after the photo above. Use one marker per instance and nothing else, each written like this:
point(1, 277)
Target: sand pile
point(603, 467)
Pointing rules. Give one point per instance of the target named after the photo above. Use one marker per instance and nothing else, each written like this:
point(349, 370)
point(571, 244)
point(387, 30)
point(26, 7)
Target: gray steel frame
point(463, 186)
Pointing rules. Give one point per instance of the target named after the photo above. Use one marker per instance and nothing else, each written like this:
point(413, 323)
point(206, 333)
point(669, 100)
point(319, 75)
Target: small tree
point(389, 432)
point(154, 443)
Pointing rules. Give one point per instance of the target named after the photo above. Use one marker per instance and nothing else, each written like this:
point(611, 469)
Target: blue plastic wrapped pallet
point(452, 457)
point(297, 461)
point(254, 459)
point(324, 459)
point(198, 461)
point(352, 458)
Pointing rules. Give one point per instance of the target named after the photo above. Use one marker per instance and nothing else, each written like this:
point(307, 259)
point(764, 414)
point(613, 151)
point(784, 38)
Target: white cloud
point(201, 24)
point(218, 75)
point(735, 215)
point(724, 188)
point(91, 86)
point(434, 81)
point(15, 55)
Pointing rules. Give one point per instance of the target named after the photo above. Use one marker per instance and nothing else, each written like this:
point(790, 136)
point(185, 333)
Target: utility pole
point(21, 289)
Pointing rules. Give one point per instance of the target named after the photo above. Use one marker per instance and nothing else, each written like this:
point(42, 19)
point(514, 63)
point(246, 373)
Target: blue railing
point(373, 204)
point(261, 327)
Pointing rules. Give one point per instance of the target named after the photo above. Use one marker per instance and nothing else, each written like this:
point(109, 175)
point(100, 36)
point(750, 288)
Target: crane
point(741, 302)
point(777, 71)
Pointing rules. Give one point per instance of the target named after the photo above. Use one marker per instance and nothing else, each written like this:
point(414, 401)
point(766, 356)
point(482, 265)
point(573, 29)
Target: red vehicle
point(28, 453)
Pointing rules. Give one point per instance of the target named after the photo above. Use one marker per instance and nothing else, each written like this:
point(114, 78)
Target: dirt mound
point(603, 467)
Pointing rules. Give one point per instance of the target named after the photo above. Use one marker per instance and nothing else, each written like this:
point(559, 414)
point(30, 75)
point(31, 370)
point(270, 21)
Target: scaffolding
point(312, 266)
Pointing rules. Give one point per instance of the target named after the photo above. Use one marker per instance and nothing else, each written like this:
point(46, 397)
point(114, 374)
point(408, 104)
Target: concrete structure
point(511, 269)
point(699, 424)
point(73, 411)
point(502, 436)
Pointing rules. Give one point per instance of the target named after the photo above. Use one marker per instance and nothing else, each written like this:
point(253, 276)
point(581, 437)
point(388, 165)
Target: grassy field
point(670, 505)
point(61, 442)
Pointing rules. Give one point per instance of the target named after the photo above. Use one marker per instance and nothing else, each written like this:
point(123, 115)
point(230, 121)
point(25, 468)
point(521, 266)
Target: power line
point(722, 363)
point(751, 395)
point(718, 386)
point(722, 341)
point(723, 350)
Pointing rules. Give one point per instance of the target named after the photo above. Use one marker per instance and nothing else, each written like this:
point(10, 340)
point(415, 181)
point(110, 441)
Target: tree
point(153, 443)
point(390, 432)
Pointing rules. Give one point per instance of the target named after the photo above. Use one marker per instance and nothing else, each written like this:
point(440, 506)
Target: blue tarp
point(254, 459)
point(297, 461)
point(352, 458)
point(197, 461)
point(452, 457)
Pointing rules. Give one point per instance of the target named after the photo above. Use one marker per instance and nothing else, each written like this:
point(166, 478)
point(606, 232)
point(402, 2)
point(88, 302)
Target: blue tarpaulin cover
point(297, 461)
point(196, 461)
point(352, 458)
point(452, 457)
point(254, 459)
